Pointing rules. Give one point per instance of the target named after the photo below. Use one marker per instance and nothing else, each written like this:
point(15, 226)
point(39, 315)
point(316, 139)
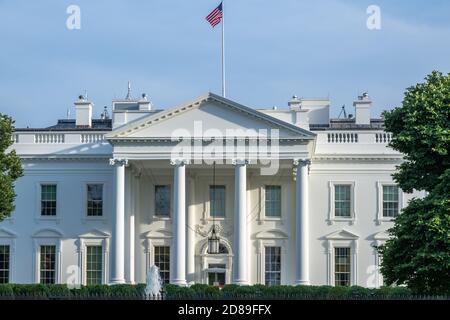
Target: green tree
point(418, 252)
point(11, 167)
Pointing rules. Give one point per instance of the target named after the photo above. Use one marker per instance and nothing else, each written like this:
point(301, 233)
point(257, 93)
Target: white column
point(118, 237)
point(128, 214)
point(190, 249)
point(240, 264)
point(132, 225)
point(178, 273)
point(302, 223)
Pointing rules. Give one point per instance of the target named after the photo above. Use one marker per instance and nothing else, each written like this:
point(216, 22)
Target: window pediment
point(94, 234)
point(382, 235)
point(342, 235)
point(158, 234)
point(271, 234)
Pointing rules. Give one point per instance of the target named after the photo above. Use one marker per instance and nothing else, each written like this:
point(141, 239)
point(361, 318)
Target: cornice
point(53, 157)
point(205, 139)
point(357, 157)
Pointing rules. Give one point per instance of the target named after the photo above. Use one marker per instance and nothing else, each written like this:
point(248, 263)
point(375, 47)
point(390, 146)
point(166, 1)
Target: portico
point(188, 215)
point(185, 165)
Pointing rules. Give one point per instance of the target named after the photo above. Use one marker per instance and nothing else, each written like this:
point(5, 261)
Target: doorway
point(216, 274)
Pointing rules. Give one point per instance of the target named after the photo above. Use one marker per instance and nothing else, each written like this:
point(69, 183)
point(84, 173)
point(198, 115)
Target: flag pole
point(223, 51)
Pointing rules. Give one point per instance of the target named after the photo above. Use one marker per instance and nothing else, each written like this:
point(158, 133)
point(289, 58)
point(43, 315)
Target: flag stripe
point(212, 14)
point(215, 21)
point(215, 17)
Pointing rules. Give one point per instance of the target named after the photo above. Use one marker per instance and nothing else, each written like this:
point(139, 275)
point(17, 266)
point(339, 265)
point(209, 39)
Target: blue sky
point(165, 47)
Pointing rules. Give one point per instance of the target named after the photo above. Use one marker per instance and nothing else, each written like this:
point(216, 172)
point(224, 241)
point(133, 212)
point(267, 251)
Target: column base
point(301, 283)
point(179, 282)
point(117, 281)
point(241, 282)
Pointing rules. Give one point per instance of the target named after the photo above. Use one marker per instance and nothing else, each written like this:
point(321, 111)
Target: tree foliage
point(420, 129)
point(10, 165)
point(418, 252)
point(418, 255)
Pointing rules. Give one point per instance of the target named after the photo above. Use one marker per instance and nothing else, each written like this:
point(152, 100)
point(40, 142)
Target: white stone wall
point(71, 178)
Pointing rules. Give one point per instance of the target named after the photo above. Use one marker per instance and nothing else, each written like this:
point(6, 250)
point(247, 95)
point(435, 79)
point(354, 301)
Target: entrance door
point(216, 275)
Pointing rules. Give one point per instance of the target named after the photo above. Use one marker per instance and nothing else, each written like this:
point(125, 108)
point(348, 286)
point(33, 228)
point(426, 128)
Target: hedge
point(61, 291)
point(200, 291)
point(287, 292)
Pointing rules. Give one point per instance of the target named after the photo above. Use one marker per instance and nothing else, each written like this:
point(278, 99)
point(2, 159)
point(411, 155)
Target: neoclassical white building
point(296, 197)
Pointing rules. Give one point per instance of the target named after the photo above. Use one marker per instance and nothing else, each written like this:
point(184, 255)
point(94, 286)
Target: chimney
point(144, 103)
point(294, 103)
point(362, 109)
point(83, 113)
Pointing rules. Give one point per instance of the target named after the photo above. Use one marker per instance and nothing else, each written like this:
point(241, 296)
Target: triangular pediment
point(208, 116)
point(382, 235)
point(271, 234)
point(342, 235)
point(157, 234)
point(94, 234)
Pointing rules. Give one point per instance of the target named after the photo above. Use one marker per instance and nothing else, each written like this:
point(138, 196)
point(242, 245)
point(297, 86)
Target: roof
point(137, 124)
point(348, 124)
point(69, 125)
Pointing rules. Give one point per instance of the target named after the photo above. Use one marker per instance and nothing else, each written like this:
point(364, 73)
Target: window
point(48, 200)
point(342, 201)
point(4, 264)
point(273, 201)
point(342, 266)
point(273, 266)
point(162, 261)
point(390, 201)
point(94, 200)
point(162, 200)
point(217, 201)
point(94, 265)
point(48, 264)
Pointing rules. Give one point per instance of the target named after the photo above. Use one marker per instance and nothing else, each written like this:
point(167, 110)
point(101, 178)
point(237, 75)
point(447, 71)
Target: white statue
point(154, 283)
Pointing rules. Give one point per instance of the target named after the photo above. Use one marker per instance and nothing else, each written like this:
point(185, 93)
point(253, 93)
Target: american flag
point(215, 17)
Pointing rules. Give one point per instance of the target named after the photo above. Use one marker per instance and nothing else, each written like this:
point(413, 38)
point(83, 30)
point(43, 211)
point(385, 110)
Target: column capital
point(301, 162)
point(240, 162)
point(179, 162)
point(118, 162)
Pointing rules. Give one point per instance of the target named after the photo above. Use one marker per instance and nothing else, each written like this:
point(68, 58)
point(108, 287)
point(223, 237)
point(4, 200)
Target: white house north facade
point(296, 197)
